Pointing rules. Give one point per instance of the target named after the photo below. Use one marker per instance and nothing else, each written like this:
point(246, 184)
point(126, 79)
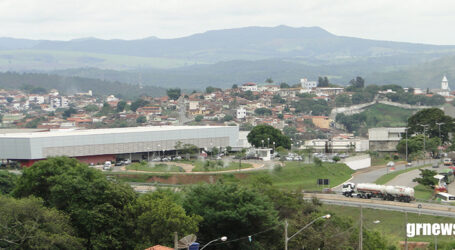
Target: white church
point(445, 89)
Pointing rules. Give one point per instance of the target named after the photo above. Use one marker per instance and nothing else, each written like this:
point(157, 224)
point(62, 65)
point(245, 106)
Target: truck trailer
point(371, 190)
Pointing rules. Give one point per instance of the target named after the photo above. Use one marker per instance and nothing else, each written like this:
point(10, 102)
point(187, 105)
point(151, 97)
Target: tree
point(317, 161)
point(240, 155)
point(105, 110)
point(174, 94)
point(284, 85)
point(290, 131)
point(138, 104)
point(27, 224)
point(67, 113)
point(269, 80)
point(91, 108)
point(343, 100)
point(7, 182)
point(263, 111)
point(336, 158)
point(198, 118)
point(141, 119)
point(158, 216)
point(211, 89)
point(357, 83)
point(9, 99)
point(235, 211)
point(235, 86)
point(96, 206)
point(431, 117)
point(323, 82)
point(121, 105)
point(261, 133)
point(227, 118)
point(426, 178)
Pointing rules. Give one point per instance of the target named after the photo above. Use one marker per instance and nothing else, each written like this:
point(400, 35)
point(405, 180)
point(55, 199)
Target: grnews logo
point(425, 229)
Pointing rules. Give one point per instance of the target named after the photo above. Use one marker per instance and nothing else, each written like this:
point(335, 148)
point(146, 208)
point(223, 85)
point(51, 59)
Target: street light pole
point(286, 239)
point(361, 229)
point(406, 129)
point(424, 141)
point(224, 238)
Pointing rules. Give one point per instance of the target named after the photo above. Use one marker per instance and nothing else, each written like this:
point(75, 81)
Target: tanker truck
point(371, 190)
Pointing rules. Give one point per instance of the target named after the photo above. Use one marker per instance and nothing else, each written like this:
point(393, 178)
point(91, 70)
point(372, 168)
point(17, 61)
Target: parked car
point(107, 165)
point(119, 163)
point(177, 158)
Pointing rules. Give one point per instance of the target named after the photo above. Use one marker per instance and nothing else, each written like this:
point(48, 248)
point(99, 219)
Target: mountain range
point(223, 57)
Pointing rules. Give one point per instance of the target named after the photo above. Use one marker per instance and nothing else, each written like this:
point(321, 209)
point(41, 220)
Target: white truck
point(371, 190)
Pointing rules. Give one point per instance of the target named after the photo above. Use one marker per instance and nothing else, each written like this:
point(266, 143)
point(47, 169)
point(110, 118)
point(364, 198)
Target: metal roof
point(70, 132)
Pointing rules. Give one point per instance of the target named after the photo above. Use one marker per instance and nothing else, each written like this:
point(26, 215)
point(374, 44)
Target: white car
point(288, 158)
point(107, 165)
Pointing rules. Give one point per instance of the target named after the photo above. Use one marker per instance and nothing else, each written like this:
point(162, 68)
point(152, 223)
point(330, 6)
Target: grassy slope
point(51, 60)
point(388, 177)
point(294, 175)
point(381, 115)
point(199, 166)
point(155, 168)
point(304, 176)
point(391, 222)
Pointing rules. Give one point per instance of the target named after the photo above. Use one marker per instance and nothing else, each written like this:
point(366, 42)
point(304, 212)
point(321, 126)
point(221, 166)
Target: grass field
point(388, 177)
point(210, 166)
point(392, 224)
point(296, 175)
point(422, 193)
point(381, 115)
point(154, 167)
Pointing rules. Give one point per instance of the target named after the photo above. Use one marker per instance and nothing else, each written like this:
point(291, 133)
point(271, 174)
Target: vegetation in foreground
point(98, 213)
point(392, 224)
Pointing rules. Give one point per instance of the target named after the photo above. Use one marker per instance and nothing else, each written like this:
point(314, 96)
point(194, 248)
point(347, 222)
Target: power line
point(251, 235)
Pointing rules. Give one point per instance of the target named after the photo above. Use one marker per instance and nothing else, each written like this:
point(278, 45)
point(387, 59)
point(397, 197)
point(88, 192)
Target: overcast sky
point(420, 21)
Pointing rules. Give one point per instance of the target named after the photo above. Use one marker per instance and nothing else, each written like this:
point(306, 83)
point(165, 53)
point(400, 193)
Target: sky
point(419, 21)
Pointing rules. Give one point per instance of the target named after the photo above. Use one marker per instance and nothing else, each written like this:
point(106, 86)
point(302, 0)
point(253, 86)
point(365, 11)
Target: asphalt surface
point(357, 203)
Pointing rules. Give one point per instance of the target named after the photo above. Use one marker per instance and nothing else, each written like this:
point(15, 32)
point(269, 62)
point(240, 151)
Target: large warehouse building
point(99, 145)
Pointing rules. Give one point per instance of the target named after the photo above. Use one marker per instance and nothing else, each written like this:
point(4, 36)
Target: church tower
point(445, 84)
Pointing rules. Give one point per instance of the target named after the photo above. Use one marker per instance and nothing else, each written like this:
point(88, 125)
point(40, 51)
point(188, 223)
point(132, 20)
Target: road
point(370, 176)
point(426, 208)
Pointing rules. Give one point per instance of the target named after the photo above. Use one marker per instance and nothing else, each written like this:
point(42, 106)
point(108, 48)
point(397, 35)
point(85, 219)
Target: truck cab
point(347, 189)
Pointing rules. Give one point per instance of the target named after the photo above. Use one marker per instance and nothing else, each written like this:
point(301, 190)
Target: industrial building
point(385, 139)
point(99, 145)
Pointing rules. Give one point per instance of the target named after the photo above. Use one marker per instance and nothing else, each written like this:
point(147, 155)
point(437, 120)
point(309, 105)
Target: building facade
point(98, 145)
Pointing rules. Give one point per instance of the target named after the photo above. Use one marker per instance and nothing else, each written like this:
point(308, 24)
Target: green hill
point(72, 85)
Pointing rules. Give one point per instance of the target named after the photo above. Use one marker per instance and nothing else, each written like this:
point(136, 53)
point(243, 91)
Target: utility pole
point(361, 229)
point(176, 240)
point(285, 234)
point(405, 232)
point(406, 147)
point(424, 141)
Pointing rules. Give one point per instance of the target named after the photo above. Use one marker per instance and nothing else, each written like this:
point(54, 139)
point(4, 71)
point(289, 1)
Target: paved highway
point(425, 208)
point(365, 176)
point(389, 207)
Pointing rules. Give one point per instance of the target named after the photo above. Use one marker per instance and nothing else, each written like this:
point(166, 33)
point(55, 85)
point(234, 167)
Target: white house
point(241, 113)
point(308, 84)
point(251, 86)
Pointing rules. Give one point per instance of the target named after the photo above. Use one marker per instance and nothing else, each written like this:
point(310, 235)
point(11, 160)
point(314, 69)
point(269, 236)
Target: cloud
point(405, 20)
